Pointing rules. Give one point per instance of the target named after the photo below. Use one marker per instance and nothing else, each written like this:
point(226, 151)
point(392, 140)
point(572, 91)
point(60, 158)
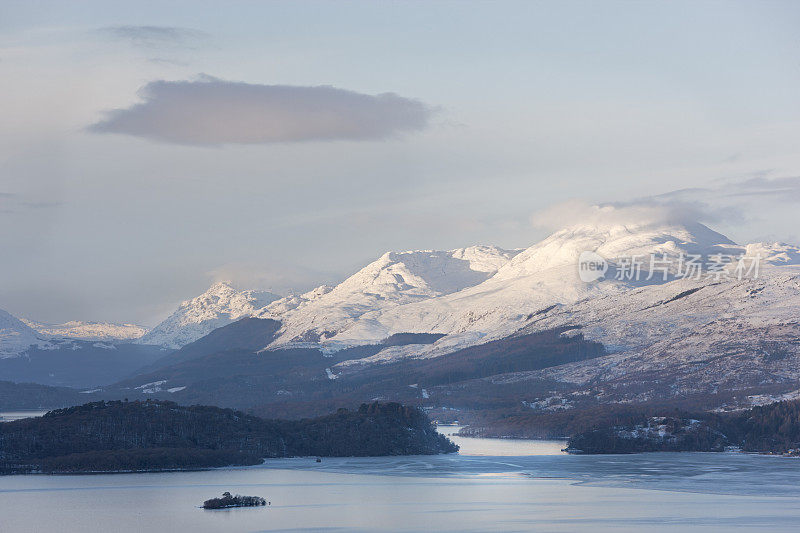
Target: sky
point(149, 149)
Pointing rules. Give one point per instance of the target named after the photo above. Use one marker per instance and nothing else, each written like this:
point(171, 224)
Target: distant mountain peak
point(88, 331)
point(16, 336)
point(475, 290)
point(219, 305)
point(613, 241)
point(392, 280)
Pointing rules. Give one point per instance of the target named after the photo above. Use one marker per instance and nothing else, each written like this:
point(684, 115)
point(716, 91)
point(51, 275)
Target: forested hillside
point(157, 435)
point(773, 428)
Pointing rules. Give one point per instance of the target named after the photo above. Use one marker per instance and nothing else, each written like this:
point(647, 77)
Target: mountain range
point(518, 329)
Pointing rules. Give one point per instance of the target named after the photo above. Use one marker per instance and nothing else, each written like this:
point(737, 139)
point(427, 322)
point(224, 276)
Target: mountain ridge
point(723, 339)
point(221, 304)
point(88, 331)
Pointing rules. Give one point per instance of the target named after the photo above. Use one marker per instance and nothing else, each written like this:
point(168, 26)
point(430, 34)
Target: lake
point(491, 485)
point(8, 416)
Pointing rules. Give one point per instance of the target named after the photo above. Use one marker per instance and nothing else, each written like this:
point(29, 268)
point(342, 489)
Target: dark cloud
point(210, 111)
point(157, 36)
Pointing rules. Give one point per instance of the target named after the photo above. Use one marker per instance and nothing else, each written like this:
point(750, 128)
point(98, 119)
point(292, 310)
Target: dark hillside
point(154, 435)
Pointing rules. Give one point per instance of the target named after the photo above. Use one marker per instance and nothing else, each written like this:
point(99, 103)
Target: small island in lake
point(227, 501)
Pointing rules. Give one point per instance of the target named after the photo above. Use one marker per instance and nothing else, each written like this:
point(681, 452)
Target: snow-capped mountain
point(394, 280)
point(664, 334)
point(687, 338)
point(221, 304)
point(476, 294)
point(88, 331)
point(514, 285)
point(667, 337)
point(16, 336)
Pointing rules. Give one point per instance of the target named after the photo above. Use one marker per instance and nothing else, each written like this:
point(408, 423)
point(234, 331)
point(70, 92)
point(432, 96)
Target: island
point(227, 501)
point(155, 435)
point(768, 429)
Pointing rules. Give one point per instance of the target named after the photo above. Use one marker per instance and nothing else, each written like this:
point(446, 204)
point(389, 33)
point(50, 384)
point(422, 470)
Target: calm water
point(8, 416)
point(493, 485)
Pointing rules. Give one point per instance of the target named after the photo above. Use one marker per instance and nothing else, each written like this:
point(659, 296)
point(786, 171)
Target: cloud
point(786, 189)
point(729, 201)
point(636, 213)
point(157, 36)
point(210, 111)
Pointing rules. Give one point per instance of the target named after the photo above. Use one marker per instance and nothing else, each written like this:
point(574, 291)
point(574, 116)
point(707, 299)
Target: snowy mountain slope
point(395, 279)
point(681, 339)
point(666, 334)
point(717, 338)
point(89, 331)
point(16, 336)
point(745, 331)
point(541, 276)
point(221, 304)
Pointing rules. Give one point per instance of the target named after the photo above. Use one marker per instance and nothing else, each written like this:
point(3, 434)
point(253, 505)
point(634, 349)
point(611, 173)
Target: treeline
point(228, 500)
point(158, 435)
point(145, 460)
point(773, 428)
point(655, 434)
point(525, 423)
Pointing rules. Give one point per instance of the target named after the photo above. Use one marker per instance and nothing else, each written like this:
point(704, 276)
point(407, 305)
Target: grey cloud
point(786, 188)
point(728, 201)
point(725, 202)
point(210, 111)
point(756, 186)
point(157, 36)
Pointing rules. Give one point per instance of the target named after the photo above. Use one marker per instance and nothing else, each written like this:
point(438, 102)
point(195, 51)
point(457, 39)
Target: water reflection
point(501, 447)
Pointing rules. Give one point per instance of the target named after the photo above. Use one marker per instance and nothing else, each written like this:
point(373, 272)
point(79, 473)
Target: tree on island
point(229, 500)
